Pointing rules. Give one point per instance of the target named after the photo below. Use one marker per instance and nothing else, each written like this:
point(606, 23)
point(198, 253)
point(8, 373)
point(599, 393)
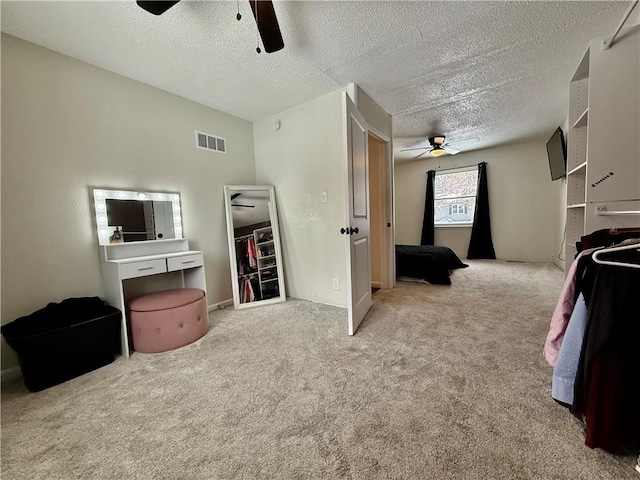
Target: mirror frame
point(273, 217)
point(101, 195)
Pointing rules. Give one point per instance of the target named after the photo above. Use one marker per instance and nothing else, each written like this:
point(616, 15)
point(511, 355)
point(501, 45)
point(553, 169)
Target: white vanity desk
point(133, 269)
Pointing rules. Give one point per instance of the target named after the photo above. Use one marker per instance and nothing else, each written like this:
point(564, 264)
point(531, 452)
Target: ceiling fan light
point(437, 151)
point(437, 140)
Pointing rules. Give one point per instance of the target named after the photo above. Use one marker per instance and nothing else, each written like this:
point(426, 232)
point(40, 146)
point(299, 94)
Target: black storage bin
point(64, 340)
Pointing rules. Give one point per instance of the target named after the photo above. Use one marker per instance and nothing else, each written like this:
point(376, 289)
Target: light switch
point(324, 197)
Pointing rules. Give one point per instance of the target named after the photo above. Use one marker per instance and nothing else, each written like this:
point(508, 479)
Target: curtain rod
point(608, 44)
point(456, 168)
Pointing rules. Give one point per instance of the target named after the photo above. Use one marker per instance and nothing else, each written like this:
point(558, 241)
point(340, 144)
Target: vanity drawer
point(184, 261)
point(142, 269)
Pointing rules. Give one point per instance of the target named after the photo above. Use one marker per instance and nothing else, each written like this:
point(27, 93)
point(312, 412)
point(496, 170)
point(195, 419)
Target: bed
point(427, 262)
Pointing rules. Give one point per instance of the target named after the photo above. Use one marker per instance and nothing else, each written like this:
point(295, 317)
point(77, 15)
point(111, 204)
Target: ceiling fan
point(437, 147)
point(263, 13)
point(236, 195)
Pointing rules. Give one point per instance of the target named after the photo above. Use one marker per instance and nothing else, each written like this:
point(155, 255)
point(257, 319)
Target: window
point(457, 208)
point(455, 197)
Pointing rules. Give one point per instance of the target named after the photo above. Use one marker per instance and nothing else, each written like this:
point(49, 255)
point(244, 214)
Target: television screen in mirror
point(126, 216)
point(254, 245)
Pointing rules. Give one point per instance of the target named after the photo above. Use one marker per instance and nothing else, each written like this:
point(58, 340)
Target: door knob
point(354, 230)
point(343, 231)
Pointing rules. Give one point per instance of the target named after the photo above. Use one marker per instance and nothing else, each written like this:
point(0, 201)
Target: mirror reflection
point(125, 216)
point(254, 245)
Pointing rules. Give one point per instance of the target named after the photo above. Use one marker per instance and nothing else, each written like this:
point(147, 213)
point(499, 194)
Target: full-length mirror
point(254, 245)
point(125, 216)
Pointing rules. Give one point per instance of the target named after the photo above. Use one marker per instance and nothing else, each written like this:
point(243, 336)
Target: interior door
point(357, 229)
point(163, 220)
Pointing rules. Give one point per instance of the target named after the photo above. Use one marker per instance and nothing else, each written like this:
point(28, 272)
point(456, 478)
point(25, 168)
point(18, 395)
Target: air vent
point(202, 140)
point(206, 141)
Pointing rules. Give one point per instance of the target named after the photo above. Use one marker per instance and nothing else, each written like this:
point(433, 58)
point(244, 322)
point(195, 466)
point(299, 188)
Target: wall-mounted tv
point(557, 153)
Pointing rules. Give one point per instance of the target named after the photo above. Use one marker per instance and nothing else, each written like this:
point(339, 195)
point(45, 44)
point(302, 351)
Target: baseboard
point(559, 263)
point(222, 304)
point(10, 374)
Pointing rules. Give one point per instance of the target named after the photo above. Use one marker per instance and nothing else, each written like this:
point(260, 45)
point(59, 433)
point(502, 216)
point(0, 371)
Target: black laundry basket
point(64, 340)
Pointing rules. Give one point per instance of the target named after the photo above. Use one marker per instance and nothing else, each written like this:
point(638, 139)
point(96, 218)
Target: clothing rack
point(609, 44)
point(597, 255)
point(617, 212)
point(243, 237)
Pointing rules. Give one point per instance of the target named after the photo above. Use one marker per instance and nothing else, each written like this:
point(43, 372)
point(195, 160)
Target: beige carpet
point(439, 383)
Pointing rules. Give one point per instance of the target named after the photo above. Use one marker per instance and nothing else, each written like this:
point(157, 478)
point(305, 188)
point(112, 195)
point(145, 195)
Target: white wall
point(374, 114)
point(559, 259)
point(303, 159)
point(68, 126)
point(560, 239)
point(524, 202)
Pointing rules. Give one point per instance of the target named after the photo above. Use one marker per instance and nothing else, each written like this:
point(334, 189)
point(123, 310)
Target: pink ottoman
point(167, 320)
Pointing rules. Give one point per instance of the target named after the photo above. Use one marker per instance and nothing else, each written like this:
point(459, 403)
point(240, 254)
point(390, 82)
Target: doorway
point(381, 212)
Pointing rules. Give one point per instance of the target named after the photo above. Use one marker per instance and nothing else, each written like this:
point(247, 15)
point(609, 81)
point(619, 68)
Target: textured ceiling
point(482, 73)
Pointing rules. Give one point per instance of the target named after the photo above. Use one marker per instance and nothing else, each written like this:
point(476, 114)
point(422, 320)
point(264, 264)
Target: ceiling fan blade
point(245, 206)
point(267, 23)
point(450, 151)
point(235, 195)
point(420, 154)
point(158, 7)
point(419, 148)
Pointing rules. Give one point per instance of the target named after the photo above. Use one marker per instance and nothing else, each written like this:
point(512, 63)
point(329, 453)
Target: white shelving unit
point(267, 262)
point(267, 269)
point(603, 151)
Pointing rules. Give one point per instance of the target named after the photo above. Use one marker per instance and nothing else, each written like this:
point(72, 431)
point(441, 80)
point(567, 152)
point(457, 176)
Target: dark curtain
point(427, 221)
point(481, 244)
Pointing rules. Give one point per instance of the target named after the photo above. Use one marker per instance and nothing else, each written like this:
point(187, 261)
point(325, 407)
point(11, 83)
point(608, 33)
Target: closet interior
point(257, 265)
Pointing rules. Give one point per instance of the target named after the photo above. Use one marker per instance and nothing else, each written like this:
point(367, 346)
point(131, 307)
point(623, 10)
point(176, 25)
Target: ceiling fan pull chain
point(238, 16)
point(257, 29)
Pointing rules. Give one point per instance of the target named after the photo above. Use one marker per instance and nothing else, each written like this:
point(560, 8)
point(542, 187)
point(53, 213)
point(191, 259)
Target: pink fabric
point(166, 299)
point(251, 250)
point(166, 329)
point(562, 312)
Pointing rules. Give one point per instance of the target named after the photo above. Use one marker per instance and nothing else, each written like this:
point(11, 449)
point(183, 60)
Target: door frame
point(390, 268)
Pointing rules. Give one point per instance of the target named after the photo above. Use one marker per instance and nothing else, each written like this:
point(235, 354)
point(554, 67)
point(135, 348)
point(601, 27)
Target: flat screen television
point(557, 153)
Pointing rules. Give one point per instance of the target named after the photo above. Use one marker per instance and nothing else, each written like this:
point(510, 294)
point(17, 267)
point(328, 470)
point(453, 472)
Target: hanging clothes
point(566, 368)
point(251, 252)
point(246, 289)
point(607, 389)
point(562, 312)
point(255, 286)
point(598, 358)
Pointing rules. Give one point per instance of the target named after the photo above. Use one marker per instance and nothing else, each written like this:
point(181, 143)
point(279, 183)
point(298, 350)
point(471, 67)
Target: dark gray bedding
point(427, 262)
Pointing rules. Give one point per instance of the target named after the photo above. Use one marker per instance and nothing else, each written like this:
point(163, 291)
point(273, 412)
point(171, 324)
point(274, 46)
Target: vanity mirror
point(254, 245)
point(126, 216)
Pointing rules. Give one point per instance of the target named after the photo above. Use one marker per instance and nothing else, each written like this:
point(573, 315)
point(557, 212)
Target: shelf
point(577, 205)
point(582, 119)
point(267, 267)
point(582, 166)
point(264, 243)
point(270, 280)
point(582, 71)
point(266, 256)
point(616, 213)
point(248, 275)
point(263, 229)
